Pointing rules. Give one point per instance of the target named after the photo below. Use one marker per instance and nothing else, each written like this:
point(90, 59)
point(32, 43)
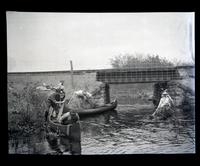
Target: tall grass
point(25, 109)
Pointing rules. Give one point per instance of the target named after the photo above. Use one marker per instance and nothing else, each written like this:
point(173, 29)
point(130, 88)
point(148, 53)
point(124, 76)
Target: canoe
point(71, 131)
point(106, 107)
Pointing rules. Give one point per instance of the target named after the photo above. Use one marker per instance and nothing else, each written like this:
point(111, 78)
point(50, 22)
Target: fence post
point(72, 77)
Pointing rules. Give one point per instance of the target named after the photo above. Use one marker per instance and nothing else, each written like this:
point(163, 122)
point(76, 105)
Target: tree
point(139, 60)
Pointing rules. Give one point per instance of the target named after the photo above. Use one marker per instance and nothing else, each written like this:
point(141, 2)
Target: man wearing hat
point(54, 100)
point(165, 104)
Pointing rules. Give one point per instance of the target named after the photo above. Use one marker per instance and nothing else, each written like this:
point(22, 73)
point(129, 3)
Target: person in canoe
point(69, 118)
point(61, 112)
point(82, 99)
point(55, 100)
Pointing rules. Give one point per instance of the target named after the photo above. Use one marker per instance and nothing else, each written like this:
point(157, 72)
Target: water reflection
point(52, 144)
point(63, 145)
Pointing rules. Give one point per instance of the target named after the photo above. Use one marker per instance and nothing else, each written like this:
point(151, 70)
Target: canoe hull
point(107, 107)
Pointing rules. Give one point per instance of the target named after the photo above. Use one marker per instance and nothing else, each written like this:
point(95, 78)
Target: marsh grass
point(25, 109)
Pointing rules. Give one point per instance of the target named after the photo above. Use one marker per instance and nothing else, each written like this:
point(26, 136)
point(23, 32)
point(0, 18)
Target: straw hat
point(165, 93)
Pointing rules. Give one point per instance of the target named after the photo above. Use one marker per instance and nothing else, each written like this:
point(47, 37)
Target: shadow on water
point(127, 130)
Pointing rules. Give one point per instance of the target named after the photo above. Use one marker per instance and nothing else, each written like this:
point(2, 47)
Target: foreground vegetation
point(25, 110)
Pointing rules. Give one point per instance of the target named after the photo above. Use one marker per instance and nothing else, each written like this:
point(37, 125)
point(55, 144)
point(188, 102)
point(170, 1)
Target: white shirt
point(165, 100)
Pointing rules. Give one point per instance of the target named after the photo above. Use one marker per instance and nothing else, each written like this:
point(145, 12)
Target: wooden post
point(72, 78)
point(107, 93)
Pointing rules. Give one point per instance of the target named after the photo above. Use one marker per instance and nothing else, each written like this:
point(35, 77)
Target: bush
point(138, 60)
point(25, 110)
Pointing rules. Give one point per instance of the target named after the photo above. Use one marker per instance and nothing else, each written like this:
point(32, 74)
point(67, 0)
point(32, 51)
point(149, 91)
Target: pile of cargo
point(82, 99)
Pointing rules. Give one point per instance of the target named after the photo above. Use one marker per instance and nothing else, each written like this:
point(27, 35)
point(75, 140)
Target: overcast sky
point(48, 41)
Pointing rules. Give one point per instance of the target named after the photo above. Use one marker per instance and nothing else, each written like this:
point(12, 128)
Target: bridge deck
point(138, 75)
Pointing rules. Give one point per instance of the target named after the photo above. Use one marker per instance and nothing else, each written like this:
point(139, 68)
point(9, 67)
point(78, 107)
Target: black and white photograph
point(100, 83)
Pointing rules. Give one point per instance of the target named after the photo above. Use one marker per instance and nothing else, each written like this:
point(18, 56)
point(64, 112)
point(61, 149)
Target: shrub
point(25, 110)
point(138, 60)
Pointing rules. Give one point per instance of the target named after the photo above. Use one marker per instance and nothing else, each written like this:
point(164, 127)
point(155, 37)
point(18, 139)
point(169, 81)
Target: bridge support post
point(107, 93)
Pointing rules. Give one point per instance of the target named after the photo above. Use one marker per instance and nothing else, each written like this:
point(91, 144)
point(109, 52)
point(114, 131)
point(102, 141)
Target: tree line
point(143, 60)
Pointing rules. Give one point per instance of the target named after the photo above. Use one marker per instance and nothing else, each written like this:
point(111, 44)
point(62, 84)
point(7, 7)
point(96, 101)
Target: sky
point(41, 41)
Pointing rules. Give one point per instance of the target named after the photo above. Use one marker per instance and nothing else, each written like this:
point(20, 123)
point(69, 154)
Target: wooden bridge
point(160, 76)
point(142, 75)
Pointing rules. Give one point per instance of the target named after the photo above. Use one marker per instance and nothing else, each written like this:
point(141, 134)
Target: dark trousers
point(50, 103)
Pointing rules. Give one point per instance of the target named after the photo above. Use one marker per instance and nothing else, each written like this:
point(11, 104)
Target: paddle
point(61, 104)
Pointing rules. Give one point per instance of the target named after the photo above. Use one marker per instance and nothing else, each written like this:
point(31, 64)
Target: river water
point(127, 130)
